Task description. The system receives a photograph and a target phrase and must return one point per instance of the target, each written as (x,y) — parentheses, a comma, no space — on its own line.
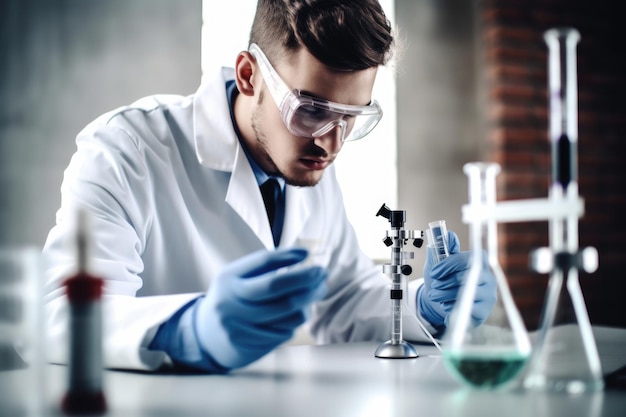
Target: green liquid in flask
(486,370)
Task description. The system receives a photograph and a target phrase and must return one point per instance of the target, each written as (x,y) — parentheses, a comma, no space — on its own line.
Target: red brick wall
(514,69)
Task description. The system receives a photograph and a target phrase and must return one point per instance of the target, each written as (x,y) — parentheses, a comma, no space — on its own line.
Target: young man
(202,269)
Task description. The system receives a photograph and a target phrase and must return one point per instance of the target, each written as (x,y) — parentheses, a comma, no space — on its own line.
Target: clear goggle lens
(310,117)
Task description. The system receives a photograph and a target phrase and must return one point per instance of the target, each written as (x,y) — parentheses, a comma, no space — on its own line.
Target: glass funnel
(485,352)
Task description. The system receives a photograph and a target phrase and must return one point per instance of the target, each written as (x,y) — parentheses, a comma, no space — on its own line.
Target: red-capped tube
(85,394)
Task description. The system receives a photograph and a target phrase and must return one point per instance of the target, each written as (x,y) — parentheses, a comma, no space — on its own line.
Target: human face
(282,147)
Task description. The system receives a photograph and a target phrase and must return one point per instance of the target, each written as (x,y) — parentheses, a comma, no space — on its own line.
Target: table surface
(342,380)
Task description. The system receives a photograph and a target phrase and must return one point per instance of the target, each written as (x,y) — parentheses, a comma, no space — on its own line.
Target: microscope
(396,238)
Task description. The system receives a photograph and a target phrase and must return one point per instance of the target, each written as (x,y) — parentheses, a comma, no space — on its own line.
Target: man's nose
(331,141)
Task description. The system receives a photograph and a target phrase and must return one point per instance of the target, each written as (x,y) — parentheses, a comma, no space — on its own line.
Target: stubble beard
(300,181)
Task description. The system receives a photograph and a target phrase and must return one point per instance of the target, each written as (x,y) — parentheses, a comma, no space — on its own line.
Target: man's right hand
(256,304)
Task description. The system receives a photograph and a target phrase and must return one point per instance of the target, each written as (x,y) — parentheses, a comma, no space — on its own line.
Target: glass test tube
(438,240)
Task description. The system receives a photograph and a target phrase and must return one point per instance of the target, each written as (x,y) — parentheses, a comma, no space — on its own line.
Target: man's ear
(245,70)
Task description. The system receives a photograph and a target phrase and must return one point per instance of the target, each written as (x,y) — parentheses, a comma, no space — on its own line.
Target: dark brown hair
(348,35)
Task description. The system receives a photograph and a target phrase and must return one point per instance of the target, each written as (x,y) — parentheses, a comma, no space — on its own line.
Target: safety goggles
(311,117)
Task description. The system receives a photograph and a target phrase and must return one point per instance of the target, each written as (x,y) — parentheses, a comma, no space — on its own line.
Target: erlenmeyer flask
(487,353)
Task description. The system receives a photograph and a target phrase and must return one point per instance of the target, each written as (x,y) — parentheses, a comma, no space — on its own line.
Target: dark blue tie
(271,192)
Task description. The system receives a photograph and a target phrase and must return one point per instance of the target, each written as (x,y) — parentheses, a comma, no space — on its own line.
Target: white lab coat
(173,199)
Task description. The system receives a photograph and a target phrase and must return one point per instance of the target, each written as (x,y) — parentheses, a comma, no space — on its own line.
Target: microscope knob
(388,241)
(406,269)
(418,242)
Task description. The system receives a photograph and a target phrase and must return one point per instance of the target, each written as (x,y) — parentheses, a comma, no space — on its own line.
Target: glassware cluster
(492,352)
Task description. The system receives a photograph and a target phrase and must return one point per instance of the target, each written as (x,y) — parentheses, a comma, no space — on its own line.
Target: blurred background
(468,83)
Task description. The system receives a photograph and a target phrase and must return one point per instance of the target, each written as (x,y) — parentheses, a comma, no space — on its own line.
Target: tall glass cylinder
(487,344)
(565,357)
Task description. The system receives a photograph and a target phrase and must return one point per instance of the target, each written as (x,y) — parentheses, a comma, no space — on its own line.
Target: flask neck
(482,195)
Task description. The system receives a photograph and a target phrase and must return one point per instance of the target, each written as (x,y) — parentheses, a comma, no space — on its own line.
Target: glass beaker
(485,352)
(22,337)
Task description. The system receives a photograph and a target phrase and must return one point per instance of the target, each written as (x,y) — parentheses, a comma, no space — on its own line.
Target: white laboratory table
(342,380)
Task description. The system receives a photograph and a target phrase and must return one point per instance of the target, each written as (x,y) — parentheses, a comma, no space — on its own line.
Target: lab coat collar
(214,135)
(297,211)
(245,198)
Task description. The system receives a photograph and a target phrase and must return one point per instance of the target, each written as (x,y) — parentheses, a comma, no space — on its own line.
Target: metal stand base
(400,350)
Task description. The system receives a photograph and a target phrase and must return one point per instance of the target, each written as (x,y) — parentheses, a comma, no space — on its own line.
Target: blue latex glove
(253,306)
(442,282)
